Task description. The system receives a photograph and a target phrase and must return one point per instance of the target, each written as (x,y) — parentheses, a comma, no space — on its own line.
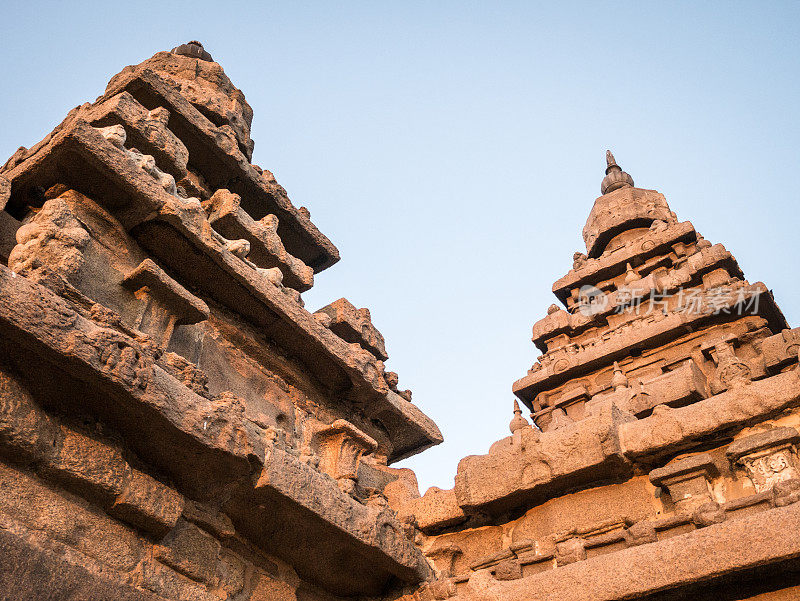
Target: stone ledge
(148,130)
(185,305)
(32,573)
(676,564)
(609,266)
(670,430)
(354,325)
(538,466)
(531,467)
(762,440)
(650,331)
(690,273)
(294,506)
(205,452)
(126,387)
(436,509)
(682,468)
(266,248)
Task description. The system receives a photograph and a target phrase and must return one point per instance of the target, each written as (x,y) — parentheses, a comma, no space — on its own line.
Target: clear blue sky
(453,151)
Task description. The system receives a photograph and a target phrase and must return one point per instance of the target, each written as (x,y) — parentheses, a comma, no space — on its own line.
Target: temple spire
(630,274)
(615,177)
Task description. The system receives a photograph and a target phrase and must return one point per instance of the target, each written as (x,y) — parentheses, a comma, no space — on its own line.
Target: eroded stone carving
(340,447)
(155,355)
(769,457)
(354,325)
(52,240)
(156,359)
(166,303)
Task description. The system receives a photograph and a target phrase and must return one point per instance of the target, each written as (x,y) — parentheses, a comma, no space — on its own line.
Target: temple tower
(174,423)
(662,459)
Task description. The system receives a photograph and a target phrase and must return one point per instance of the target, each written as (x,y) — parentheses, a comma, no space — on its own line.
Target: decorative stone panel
(768,457)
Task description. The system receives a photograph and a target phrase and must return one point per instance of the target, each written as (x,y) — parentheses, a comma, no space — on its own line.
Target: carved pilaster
(340,447)
(444,558)
(165,302)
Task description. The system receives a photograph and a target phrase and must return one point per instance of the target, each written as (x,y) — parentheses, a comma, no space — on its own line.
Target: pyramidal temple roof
(664,401)
(637,253)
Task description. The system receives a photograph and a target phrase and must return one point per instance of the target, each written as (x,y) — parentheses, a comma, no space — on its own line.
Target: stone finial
(517,422)
(630,275)
(193,49)
(615,177)
(619,380)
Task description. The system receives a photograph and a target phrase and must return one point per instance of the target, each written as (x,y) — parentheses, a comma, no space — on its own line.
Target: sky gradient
(452,151)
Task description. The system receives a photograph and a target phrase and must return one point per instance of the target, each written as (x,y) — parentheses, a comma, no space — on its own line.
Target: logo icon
(591,300)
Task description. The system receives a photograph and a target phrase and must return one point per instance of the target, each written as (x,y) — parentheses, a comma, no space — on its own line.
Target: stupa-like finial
(619,380)
(615,177)
(193,49)
(630,274)
(517,422)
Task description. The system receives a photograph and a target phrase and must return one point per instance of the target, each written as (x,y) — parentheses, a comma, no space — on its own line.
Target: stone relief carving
(768,457)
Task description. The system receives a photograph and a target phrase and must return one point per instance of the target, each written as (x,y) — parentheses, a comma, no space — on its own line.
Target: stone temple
(175,425)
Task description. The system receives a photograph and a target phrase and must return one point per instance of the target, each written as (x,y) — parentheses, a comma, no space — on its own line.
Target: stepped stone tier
(175,425)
